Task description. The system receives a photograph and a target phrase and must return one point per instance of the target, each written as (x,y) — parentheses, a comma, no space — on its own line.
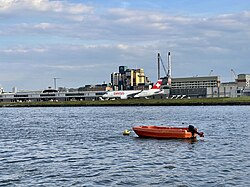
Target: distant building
(243,81)
(227,89)
(246,92)
(195,82)
(193,86)
(97,87)
(134,77)
(50,95)
(243,85)
(129,79)
(115,80)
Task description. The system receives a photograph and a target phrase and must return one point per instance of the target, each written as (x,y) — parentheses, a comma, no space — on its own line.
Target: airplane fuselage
(121,94)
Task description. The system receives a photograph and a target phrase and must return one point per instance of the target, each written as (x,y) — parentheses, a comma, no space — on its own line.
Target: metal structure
(233,74)
(55,79)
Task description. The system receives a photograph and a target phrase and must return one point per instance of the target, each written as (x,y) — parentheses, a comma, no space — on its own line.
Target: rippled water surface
(84,146)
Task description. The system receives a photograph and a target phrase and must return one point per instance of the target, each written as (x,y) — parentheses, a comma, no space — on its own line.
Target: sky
(82,42)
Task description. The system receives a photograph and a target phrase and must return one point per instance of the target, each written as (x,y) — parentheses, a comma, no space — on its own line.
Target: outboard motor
(194,131)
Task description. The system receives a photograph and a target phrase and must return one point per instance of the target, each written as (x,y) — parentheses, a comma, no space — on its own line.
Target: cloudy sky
(84,41)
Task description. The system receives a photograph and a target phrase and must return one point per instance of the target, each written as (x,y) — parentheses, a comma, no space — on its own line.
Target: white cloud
(61,37)
(39,50)
(43,9)
(72,68)
(43,26)
(15,50)
(44,5)
(79,9)
(122,46)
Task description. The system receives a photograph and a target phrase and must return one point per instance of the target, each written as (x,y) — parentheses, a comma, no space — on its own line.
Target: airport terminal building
(53,95)
(189,87)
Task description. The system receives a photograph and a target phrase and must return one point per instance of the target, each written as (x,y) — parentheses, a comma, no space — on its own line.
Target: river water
(84,146)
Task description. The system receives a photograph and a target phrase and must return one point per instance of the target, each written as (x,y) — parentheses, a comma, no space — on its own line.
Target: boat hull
(163,132)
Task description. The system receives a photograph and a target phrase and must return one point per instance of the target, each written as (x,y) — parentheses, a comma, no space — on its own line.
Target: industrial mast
(167,78)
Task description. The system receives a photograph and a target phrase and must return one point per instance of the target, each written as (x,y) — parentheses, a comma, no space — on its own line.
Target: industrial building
(243,81)
(210,86)
(194,86)
(243,85)
(129,79)
(195,82)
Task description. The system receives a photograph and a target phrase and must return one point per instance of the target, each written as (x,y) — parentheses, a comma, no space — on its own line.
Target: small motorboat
(164,132)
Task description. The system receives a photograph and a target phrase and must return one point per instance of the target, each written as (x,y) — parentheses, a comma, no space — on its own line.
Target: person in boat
(194,131)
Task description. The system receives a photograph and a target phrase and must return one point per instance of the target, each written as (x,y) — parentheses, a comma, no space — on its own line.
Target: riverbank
(137,102)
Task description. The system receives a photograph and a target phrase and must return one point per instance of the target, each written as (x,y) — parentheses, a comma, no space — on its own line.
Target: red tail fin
(157,84)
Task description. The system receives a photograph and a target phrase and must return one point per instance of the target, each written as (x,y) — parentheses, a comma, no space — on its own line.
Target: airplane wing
(159,92)
(134,93)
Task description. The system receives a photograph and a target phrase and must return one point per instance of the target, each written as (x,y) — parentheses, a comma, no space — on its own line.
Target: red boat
(167,132)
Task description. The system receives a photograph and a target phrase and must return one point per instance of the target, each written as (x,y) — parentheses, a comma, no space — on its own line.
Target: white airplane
(122,94)
(154,91)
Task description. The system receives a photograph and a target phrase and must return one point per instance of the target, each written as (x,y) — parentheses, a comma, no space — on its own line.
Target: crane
(234,76)
(167,78)
(162,63)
